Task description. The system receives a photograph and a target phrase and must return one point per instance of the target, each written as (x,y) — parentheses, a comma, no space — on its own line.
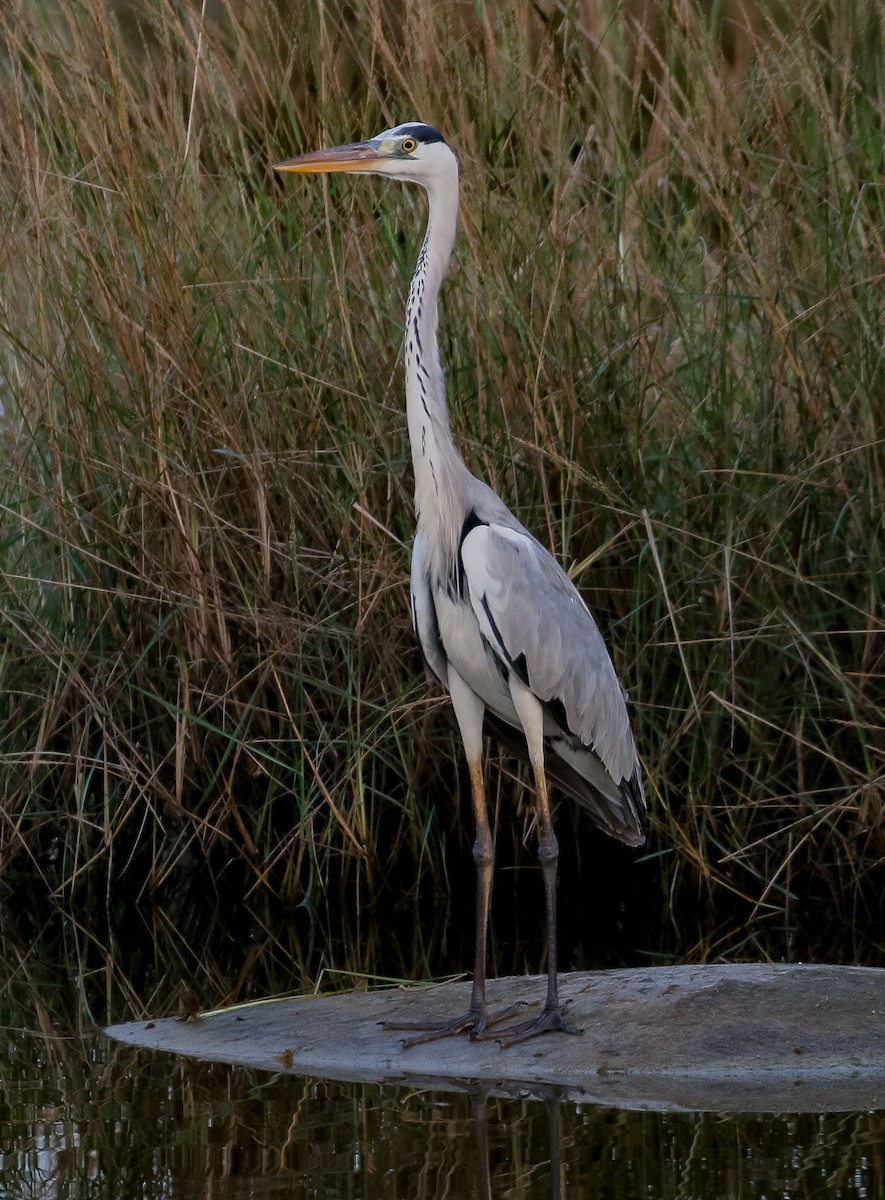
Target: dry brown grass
(207,669)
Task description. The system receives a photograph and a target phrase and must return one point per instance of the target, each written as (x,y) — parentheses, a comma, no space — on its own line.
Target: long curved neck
(436,462)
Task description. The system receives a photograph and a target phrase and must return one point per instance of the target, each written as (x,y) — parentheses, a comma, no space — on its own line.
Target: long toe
(487,1030)
(468,1022)
(549,1020)
(479,1023)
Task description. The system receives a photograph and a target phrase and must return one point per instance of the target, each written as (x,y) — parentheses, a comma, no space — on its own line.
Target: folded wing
(533,616)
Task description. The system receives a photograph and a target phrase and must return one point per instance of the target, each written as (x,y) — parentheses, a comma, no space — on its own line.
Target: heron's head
(412,152)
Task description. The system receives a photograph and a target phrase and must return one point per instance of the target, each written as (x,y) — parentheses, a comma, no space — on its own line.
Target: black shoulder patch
(471,521)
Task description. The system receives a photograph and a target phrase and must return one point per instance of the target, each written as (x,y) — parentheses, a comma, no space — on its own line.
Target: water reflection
(80,1116)
(553,1104)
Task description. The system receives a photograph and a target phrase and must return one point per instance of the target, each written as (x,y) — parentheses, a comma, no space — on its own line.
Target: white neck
(436,462)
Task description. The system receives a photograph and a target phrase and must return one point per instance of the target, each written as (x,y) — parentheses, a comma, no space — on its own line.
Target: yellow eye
(408,145)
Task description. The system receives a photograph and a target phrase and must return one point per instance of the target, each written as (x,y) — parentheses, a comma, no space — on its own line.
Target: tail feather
(617,808)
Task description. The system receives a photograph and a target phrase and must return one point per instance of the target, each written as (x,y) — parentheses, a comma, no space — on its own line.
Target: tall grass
(672,370)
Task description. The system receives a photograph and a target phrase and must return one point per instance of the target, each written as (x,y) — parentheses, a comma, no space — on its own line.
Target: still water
(83,1117)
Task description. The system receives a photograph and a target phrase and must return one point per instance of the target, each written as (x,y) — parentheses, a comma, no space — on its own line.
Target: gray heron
(501,625)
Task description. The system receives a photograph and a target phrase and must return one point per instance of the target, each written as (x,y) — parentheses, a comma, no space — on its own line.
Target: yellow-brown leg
(550,1018)
(470,711)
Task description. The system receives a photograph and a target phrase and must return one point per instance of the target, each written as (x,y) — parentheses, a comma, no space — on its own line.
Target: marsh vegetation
(214,723)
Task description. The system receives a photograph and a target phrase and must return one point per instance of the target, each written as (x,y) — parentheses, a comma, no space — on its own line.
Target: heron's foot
(476,1022)
(549,1020)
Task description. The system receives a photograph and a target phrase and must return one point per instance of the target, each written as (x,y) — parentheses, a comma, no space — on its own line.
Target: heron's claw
(475,1022)
(549,1020)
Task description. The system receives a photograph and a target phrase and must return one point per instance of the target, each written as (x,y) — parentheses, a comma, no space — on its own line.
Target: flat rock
(744,1037)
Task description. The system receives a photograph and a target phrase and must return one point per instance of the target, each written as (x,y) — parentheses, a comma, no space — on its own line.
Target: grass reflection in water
(79,1117)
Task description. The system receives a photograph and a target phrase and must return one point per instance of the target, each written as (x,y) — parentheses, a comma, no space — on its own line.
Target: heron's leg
(484,861)
(531,716)
(469,711)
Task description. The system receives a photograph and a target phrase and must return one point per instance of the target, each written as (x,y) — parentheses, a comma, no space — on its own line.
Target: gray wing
(424,616)
(532,614)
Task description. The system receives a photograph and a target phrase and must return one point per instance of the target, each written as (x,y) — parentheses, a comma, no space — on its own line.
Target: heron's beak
(360,156)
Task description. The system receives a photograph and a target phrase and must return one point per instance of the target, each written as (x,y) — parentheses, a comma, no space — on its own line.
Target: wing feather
(529,610)
(425,620)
